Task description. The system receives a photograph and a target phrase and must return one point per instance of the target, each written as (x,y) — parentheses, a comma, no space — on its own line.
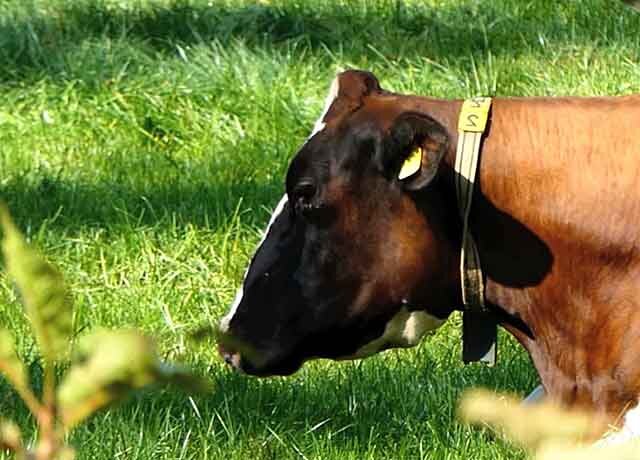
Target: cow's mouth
(231,358)
(240,363)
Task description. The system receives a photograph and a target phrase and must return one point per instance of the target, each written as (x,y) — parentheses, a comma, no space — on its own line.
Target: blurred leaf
(10,437)
(66,453)
(107,366)
(202,333)
(554,451)
(183,378)
(528,425)
(10,364)
(633,4)
(43,292)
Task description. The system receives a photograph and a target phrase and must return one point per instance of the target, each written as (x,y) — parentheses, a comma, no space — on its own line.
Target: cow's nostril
(225,354)
(230,357)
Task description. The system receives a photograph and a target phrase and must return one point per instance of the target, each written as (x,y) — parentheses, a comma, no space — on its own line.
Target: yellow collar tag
(411,165)
(474,114)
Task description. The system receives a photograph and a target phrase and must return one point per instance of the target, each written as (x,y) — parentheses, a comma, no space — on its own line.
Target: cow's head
(354,260)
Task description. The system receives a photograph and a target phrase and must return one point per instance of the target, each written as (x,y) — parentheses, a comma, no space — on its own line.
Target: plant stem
(47,418)
(30,400)
(49,390)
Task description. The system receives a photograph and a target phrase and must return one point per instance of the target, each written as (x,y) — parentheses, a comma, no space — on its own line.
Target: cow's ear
(348,91)
(355,84)
(415,147)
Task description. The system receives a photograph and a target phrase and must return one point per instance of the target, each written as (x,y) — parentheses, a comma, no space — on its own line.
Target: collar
(479,328)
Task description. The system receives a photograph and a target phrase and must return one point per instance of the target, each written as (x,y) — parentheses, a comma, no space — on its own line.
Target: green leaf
(10,436)
(10,364)
(66,453)
(45,297)
(107,367)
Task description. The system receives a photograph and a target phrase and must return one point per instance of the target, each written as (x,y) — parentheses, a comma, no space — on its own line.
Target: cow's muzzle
(240,355)
(236,353)
(240,363)
(231,358)
(248,360)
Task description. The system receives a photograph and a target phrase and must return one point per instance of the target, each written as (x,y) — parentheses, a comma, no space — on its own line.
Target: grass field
(143,143)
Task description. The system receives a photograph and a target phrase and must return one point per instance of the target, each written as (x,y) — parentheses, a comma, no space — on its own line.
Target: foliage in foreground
(549,432)
(106,365)
(170,126)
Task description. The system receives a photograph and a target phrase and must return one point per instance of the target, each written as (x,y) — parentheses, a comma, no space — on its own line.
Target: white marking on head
(404,330)
(317,127)
(333,94)
(224,322)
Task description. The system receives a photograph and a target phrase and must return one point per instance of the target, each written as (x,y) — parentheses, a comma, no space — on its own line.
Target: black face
(347,248)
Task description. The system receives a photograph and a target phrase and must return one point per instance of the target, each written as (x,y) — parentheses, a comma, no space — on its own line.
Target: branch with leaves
(106,366)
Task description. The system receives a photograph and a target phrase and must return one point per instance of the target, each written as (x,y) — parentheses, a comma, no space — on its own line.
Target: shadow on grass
(70,206)
(41,41)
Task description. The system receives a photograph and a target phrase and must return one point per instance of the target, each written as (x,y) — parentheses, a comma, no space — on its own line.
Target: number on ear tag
(411,165)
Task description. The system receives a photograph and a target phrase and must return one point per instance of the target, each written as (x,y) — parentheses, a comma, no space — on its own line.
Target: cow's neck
(528,263)
(446,112)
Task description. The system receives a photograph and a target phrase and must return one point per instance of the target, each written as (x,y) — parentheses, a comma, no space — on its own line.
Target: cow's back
(566,161)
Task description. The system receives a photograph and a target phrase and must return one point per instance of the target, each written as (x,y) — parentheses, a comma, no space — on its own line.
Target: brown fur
(555,216)
(561,175)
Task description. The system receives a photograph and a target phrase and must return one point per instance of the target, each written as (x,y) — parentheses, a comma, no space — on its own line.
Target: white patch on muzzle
(317,127)
(224,322)
(404,330)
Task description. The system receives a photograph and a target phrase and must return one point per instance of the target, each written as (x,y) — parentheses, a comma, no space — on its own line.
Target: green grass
(171,123)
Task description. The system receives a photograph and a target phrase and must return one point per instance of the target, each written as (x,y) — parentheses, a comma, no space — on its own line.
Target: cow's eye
(304,191)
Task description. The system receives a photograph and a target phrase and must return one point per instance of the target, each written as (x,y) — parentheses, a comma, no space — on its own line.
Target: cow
(356,260)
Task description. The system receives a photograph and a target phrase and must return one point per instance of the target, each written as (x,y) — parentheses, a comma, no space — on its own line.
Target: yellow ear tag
(411,165)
